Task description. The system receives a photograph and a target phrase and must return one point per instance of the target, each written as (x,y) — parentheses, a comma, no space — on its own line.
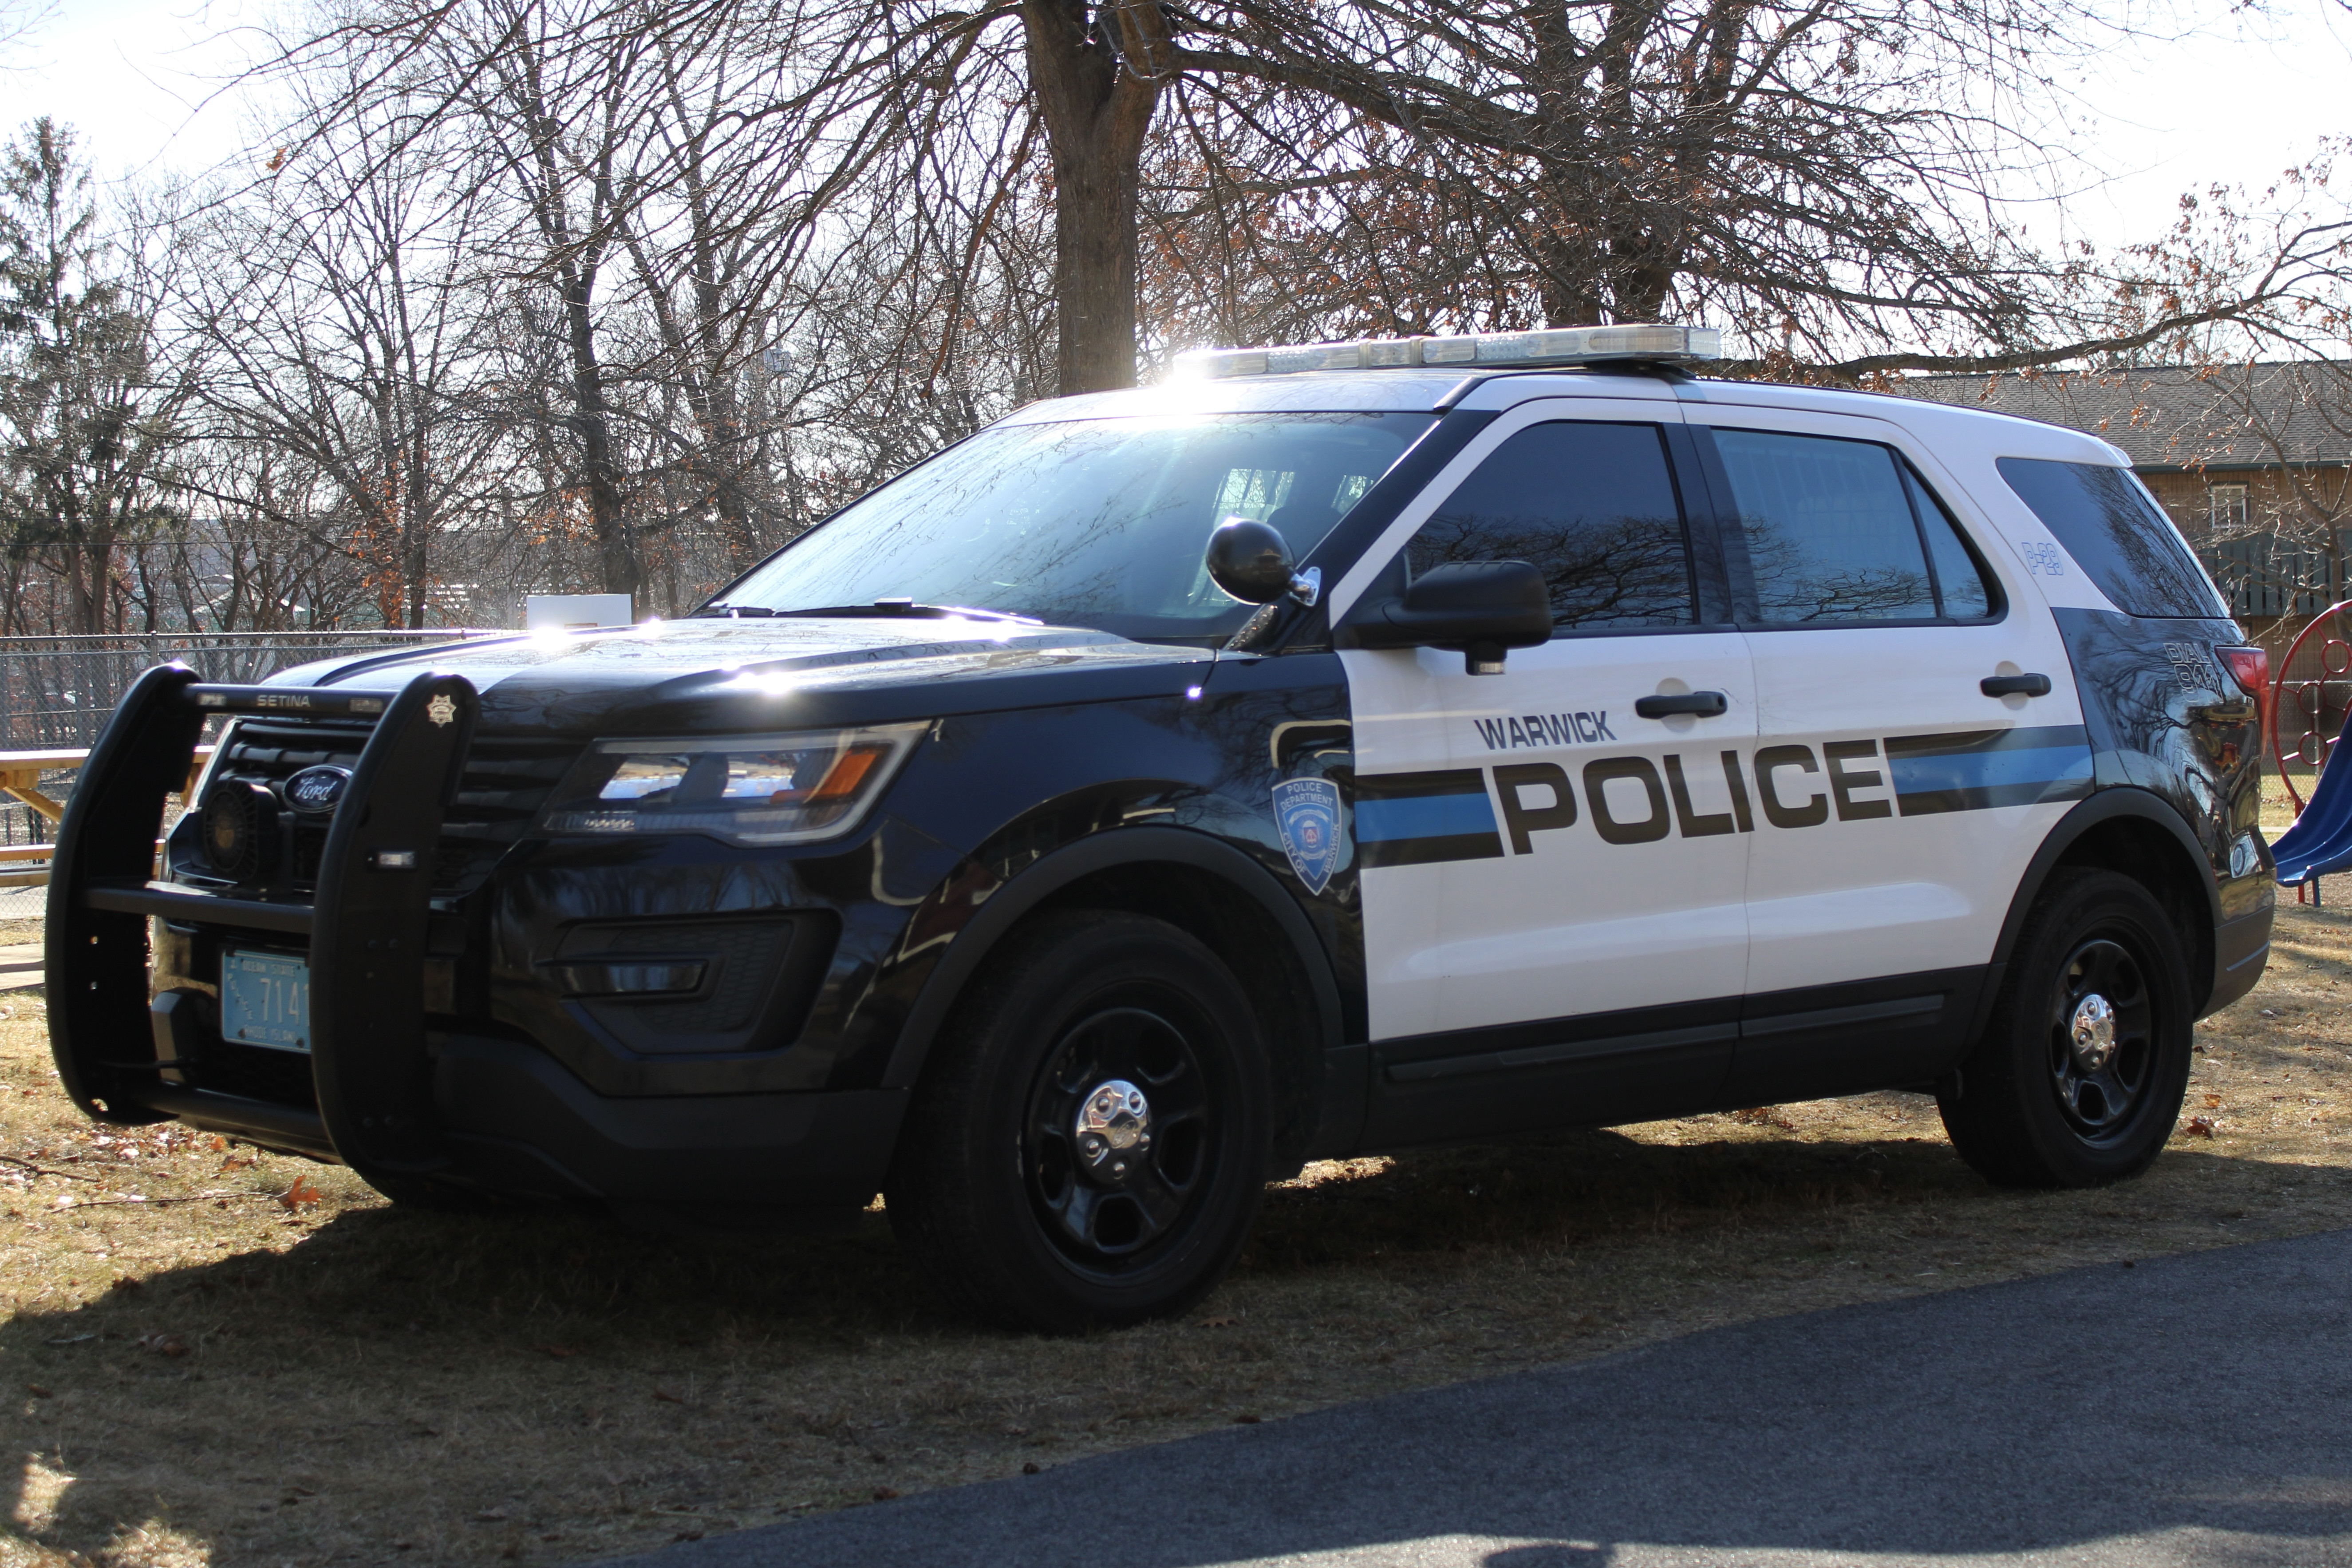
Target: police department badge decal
(1306,817)
(442,710)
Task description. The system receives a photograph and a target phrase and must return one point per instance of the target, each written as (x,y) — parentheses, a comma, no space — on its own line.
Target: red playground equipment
(2319,844)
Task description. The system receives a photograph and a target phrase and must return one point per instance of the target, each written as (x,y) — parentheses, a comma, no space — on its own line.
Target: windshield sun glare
(1099,523)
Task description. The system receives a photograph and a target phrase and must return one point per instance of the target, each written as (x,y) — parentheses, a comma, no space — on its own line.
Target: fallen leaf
(1222,1321)
(298,1197)
(2213,1102)
(666,1397)
(36,1391)
(125,1282)
(162,1344)
(1029,1466)
(884,1494)
(2198,1126)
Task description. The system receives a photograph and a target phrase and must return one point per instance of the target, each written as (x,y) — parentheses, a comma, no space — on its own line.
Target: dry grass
(215,1374)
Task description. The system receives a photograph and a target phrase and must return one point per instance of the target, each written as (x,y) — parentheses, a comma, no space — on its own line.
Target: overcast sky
(2248,98)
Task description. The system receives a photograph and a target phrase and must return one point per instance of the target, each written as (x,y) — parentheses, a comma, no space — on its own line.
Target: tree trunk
(592,424)
(1097,111)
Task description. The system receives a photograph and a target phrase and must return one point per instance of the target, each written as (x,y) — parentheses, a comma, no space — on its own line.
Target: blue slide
(2321,839)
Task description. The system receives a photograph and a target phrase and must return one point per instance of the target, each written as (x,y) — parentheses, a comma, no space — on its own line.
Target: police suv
(1338,749)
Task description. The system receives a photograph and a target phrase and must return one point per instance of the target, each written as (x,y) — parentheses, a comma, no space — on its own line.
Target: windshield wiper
(902,609)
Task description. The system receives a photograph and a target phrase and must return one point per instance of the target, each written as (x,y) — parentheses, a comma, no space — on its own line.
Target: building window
(2228,510)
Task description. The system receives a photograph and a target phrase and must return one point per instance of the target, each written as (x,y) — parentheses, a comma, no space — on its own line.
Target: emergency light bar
(1550,345)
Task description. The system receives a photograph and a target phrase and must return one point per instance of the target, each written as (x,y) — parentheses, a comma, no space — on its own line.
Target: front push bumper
(388,1094)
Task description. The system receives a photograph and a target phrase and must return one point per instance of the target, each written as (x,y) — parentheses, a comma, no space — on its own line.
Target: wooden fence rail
(21,772)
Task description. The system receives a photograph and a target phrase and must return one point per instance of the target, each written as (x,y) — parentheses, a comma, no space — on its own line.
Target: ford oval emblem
(316,790)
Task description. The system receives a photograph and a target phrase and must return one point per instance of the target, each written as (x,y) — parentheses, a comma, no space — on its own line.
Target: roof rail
(1546,346)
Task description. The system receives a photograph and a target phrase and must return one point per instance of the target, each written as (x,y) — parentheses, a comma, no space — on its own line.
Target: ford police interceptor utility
(1342,749)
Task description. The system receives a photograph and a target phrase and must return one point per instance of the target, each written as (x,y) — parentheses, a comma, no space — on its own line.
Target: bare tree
(89,422)
(341,308)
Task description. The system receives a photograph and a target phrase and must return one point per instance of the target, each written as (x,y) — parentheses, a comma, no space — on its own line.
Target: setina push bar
(124,1060)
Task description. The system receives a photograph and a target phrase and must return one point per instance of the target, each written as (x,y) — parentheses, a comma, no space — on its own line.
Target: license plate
(266,1001)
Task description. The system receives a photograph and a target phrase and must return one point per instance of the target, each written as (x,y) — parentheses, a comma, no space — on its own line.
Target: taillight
(2250,667)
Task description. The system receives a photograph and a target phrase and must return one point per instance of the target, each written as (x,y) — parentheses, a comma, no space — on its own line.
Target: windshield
(1098,524)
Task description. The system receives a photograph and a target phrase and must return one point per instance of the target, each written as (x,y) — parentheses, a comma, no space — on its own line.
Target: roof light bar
(1550,345)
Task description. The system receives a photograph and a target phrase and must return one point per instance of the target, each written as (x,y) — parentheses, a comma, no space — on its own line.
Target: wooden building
(2253,462)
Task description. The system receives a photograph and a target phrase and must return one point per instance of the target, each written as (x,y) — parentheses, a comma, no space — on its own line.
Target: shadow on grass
(1574,1188)
(354,1358)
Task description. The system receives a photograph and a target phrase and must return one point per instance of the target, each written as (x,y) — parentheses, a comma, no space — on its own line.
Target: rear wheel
(2079,1077)
(1091,1141)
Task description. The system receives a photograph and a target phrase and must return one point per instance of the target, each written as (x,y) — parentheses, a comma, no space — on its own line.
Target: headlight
(745,789)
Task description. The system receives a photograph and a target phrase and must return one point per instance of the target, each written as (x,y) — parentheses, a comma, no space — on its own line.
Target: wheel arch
(2140,834)
(1200,884)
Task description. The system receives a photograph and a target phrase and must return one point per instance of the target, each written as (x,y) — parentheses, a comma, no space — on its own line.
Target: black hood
(700,675)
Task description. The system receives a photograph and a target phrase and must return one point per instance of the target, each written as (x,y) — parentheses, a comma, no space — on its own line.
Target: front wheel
(1089,1145)
(2080,1074)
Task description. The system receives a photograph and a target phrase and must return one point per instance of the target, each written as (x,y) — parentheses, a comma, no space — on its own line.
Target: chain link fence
(57,692)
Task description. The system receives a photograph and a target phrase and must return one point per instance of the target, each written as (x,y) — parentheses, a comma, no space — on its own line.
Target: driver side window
(1592,507)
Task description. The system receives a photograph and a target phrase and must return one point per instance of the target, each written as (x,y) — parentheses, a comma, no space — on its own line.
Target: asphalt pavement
(2186,1410)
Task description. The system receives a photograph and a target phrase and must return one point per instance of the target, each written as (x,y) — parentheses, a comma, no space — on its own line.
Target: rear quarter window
(2119,540)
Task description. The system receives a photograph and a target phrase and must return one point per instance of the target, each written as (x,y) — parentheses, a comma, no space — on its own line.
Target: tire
(1035,1194)
(2036,1104)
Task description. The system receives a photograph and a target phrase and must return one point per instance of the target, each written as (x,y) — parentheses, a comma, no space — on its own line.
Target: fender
(1064,867)
(2105,806)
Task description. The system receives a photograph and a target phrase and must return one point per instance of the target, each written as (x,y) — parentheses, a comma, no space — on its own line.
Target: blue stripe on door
(1980,770)
(1424,816)
(1414,819)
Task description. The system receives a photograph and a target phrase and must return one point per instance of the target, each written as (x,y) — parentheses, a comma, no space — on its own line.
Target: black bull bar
(365,927)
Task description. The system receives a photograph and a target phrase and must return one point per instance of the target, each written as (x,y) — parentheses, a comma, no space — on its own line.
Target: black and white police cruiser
(1338,749)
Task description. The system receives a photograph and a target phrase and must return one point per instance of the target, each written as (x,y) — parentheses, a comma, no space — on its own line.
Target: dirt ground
(209,1354)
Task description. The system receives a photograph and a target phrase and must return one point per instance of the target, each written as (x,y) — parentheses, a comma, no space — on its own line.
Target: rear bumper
(2242,947)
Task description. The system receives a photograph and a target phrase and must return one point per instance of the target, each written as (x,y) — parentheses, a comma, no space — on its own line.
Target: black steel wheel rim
(2102,1039)
(1115,1205)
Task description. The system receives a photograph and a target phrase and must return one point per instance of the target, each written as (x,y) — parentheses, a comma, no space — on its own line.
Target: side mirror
(1249,560)
(1481,607)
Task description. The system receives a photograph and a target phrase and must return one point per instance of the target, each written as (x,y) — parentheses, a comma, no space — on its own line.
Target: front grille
(506,781)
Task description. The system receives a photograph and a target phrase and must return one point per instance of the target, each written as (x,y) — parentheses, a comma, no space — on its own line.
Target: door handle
(2014,686)
(1705,704)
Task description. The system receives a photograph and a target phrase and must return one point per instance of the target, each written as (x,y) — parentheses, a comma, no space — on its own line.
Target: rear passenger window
(1592,507)
(2118,539)
(1963,586)
(1830,531)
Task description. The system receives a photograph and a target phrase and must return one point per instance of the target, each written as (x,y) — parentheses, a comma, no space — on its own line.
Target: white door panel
(1535,912)
(1906,802)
